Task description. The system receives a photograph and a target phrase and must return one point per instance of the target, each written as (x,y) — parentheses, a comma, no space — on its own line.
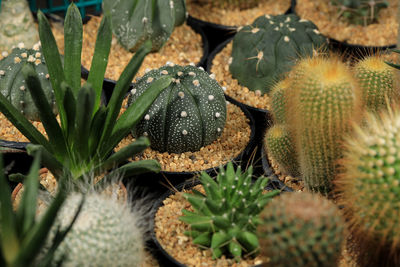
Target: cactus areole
(263,51)
(189,114)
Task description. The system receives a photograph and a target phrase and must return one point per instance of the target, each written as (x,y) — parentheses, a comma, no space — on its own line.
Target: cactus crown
(301,229)
(362,12)
(189,114)
(13,85)
(134,22)
(263,51)
(226,216)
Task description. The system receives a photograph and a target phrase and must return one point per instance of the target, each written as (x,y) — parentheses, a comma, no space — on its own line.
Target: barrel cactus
(301,229)
(369,189)
(106,233)
(12,81)
(263,51)
(189,114)
(134,22)
(226,216)
(16,25)
(361,12)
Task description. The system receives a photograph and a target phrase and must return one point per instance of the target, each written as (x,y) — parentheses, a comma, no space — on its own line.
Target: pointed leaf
(70,109)
(220,239)
(96,129)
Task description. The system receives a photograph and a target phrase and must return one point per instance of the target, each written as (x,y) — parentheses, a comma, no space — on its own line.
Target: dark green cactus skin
(135,21)
(263,51)
(12,83)
(226,216)
(189,114)
(301,229)
(241,4)
(361,12)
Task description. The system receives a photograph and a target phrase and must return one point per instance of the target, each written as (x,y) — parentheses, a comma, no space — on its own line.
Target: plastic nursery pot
(159,183)
(15,161)
(352,51)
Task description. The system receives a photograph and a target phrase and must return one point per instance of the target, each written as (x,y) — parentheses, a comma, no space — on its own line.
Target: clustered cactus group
(362,12)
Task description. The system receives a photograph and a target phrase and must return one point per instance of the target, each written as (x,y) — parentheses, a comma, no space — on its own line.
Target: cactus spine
(279,97)
(369,189)
(301,229)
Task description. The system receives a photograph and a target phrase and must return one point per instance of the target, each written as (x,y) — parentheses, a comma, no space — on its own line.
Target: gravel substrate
(324,15)
(234,139)
(233,16)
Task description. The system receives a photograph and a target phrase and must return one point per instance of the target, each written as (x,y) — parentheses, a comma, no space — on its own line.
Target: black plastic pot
(163,257)
(15,161)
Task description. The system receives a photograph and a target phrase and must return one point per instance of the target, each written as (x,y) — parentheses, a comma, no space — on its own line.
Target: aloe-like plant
(87,131)
(22,236)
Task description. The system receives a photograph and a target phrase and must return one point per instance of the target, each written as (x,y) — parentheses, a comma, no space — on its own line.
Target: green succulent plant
(22,235)
(241,4)
(13,85)
(226,216)
(361,12)
(190,113)
(88,131)
(134,22)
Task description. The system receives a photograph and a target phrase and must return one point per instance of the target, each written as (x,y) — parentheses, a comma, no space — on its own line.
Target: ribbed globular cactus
(362,12)
(378,81)
(189,114)
(278,143)
(104,234)
(263,51)
(369,189)
(12,81)
(134,22)
(301,229)
(225,217)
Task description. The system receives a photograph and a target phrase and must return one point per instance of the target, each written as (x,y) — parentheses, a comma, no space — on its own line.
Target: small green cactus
(241,4)
(279,97)
(301,229)
(106,233)
(361,12)
(189,114)
(12,81)
(226,216)
(279,145)
(134,22)
(378,82)
(369,189)
(263,51)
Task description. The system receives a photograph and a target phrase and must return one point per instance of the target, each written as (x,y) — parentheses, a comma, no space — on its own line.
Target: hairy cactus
(189,114)
(279,97)
(301,229)
(226,216)
(378,82)
(134,22)
(369,189)
(362,12)
(241,4)
(12,81)
(16,25)
(104,234)
(263,51)
(278,143)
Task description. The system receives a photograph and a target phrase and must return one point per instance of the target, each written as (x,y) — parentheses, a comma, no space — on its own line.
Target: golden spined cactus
(279,97)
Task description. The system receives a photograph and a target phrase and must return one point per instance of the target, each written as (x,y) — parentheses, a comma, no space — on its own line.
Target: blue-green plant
(134,22)
(88,131)
(226,216)
(361,12)
(190,113)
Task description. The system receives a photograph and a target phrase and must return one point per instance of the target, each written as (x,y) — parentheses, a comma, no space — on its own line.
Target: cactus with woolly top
(105,233)
(278,143)
(368,189)
(265,50)
(362,12)
(134,22)
(240,4)
(301,229)
(13,85)
(378,81)
(225,217)
(189,114)
(16,25)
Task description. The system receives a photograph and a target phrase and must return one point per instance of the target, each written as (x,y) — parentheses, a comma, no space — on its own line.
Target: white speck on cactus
(281,24)
(217,114)
(239,28)
(224,88)
(22,88)
(133,91)
(287,19)
(2,72)
(171,4)
(164,72)
(171,64)
(177,81)
(191,73)
(21,102)
(219,130)
(31,58)
(292,29)
(17,60)
(201,68)
(268,16)
(4,54)
(276,28)
(38,61)
(271,22)
(21,45)
(255,30)
(192,64)
(184,114)
(145,134)
(147,70)
(47,76)
(196,83)
(212,76)
(184,132)
(38,54)
(36,47)
(180,73)
(303,20)
(210,97)
(144,20)
(316,31)
(24,55)
(147,117)
(150,79)
(181,94)
(258,92)
(286,39)
(230,60)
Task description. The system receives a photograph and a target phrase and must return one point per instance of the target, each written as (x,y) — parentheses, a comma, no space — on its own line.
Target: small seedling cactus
(263,51)
(12,81)
(301,229)
(368,189)
(189,114)
(134,22)
(361,12)
(226,216)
